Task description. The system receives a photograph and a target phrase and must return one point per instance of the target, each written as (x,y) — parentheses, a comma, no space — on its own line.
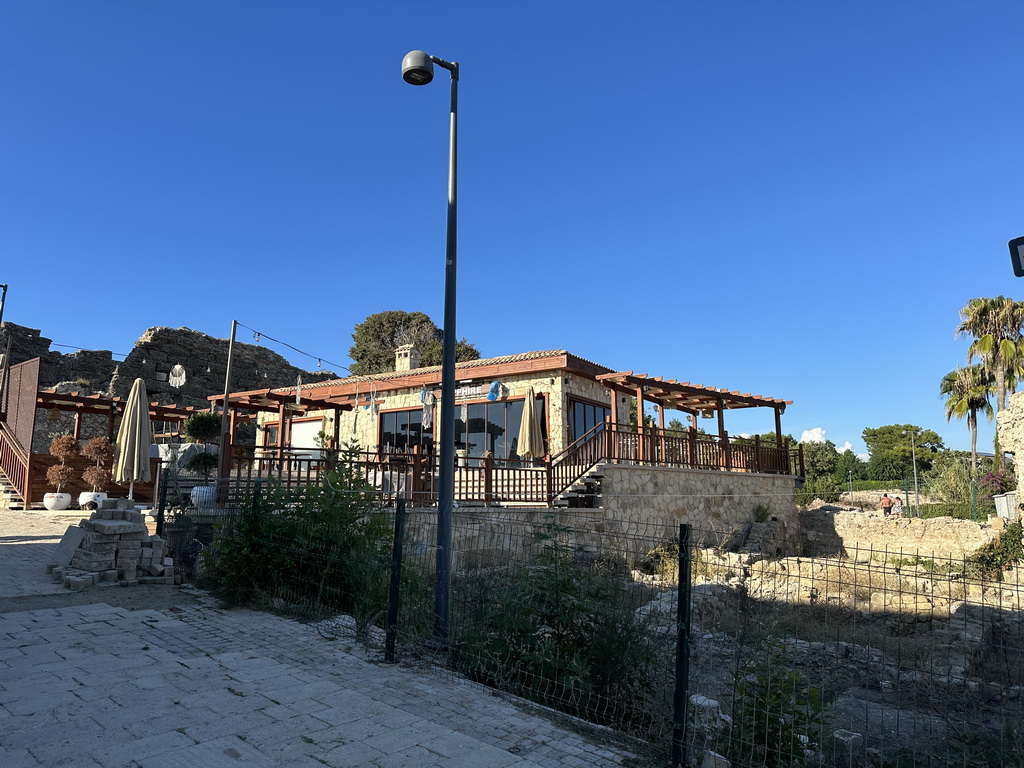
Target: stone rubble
(114,546)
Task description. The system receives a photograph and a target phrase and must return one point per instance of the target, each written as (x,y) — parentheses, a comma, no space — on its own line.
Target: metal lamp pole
(418,69)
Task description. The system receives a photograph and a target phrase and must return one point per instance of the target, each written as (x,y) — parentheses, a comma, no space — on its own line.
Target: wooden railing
(413,475)
(14,461)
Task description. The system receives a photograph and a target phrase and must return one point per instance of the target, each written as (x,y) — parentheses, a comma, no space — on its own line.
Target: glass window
(583,417)
(493,427)
(401,431)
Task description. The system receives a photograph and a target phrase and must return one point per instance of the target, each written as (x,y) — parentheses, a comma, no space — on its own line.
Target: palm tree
(968,390)
(996,327)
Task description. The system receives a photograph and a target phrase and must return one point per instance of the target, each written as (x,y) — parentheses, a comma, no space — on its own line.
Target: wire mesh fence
(817,653)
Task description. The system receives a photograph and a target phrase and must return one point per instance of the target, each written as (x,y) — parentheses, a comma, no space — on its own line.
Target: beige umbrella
(134,440)
(531,441)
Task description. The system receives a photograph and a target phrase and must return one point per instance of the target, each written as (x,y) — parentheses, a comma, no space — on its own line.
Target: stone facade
(360,426)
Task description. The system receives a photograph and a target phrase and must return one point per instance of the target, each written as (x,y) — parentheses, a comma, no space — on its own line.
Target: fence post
(488,464)
(162,506)
(680,697)
(391,627)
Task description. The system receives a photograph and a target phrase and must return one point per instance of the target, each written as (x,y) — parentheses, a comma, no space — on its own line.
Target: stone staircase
(585,493)
(10,498)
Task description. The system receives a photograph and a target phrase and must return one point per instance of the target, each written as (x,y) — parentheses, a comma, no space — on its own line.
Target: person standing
(885,504)
(897,507)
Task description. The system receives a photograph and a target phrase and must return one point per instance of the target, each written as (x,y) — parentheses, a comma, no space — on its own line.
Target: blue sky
(787,198)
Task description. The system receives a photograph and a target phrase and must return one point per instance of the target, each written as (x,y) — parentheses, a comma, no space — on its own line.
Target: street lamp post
(418,69)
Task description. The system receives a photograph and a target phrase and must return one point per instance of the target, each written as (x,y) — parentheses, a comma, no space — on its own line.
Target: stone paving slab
(199,686)
(159,688)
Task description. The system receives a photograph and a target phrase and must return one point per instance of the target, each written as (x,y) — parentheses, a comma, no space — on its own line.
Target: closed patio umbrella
(134,439)
(531,441)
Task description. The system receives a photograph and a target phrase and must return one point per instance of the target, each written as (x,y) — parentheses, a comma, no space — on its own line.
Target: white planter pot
(203,496)
(55,501)
(86,496)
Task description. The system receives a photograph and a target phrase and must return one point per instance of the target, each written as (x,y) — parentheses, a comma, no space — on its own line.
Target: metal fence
(859,657)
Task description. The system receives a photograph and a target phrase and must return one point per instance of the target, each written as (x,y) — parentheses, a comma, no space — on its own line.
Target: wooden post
(691,459)
(661,434)
(280,434)
(78,425)
(487,462)
(416,470)
(778,428)
(337,428)
(757,454)
(639,423)
(726,450)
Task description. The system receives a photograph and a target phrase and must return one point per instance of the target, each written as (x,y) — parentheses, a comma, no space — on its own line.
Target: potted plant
(62,448)
(202,427)
(101,451)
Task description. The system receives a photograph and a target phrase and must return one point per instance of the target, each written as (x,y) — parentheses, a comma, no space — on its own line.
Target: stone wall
(860,534)
(154,354)
(1010,431)
(205,361)
(717,504)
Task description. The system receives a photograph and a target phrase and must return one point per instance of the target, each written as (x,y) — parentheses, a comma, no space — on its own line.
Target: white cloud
(847,446)
(863,457)
(816,435)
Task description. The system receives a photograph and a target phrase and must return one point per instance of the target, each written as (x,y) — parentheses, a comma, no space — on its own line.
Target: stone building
(583,414)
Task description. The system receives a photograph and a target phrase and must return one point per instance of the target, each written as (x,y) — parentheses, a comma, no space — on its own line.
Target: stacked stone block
(113,546)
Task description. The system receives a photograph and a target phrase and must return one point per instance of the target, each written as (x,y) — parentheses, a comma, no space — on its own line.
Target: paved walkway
(197,686)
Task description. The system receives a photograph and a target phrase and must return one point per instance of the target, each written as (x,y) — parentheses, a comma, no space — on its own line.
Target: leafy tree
(968,390)
(848,463)
(996,327)
(820,459)
(379,335)
(767,438)
(891,450)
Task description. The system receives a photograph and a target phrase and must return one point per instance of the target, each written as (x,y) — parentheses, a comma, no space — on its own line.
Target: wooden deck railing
(14,460)
(486,480)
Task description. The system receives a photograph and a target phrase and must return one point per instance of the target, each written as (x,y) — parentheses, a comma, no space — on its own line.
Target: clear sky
(792,199)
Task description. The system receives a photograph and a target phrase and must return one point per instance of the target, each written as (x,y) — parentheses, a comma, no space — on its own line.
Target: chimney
(407,357)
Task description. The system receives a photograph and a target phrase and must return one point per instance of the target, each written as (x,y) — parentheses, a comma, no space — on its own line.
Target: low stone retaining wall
(859,535)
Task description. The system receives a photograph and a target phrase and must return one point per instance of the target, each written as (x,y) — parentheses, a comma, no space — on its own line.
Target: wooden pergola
(689,398)
(244,406)
(80,405)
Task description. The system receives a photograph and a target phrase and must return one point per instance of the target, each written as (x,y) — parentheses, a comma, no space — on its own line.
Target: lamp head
(417,68)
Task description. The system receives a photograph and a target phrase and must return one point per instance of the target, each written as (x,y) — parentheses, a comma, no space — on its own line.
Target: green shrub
(959,511)
(201,427)
(777,719)
(560,633)
(991,560)
(824,487)
(316,550)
